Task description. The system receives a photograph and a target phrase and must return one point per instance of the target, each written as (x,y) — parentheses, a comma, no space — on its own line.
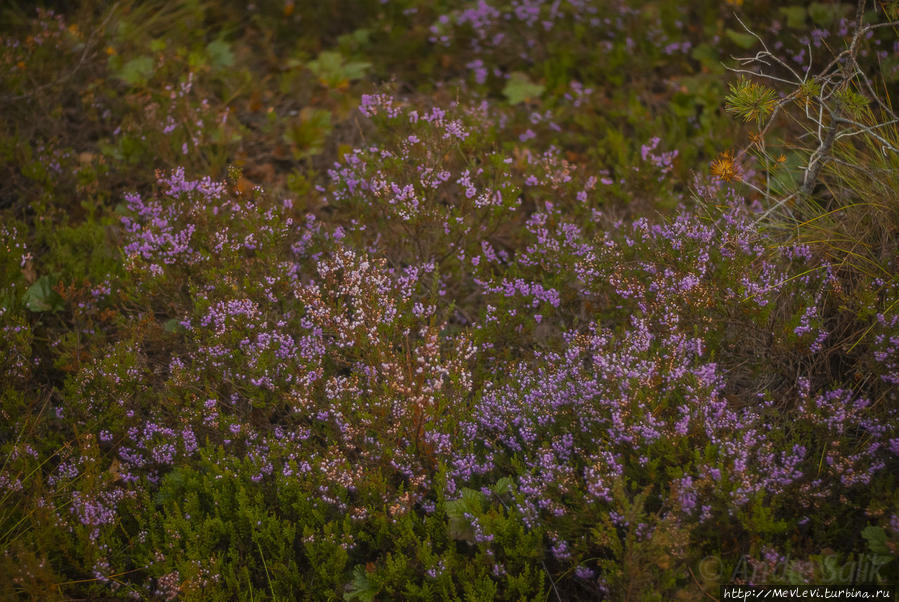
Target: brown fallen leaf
(245,186)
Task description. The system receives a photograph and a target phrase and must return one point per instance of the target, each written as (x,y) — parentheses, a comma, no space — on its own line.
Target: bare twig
(832,119)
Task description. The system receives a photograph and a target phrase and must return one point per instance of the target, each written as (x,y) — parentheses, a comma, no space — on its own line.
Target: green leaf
(355,70)
(459,525)
(355,40)
(110,150)
(137,71)
(220,55)
(331,69)
(877,539)
(825,15)
(503,486)
(40,296)
(520,88)
(197,59)
(743,40)
(361,588)
(795,16)
(173,325)
(708,57)
(307,135)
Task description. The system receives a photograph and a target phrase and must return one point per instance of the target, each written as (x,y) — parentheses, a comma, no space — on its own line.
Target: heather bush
(439,301)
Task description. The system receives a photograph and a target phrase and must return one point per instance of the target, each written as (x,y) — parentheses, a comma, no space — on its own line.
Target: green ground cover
(393,299)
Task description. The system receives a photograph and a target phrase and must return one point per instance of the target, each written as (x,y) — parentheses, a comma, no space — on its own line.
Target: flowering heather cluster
(299,355)
(506,35)
(887,344)
(467,348)
(15,332)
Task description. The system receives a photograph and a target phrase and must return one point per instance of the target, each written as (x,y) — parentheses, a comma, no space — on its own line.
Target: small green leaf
(708,57)
(331,69)
(795,16)
(137,71)
(197,59)
(743,40)
(877,539)
(40,296)
(361,588)
(459,525)
(308,134)
(503,486)
(355,41)
(520,88)
(825,15)
(220,55)
(173,325)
